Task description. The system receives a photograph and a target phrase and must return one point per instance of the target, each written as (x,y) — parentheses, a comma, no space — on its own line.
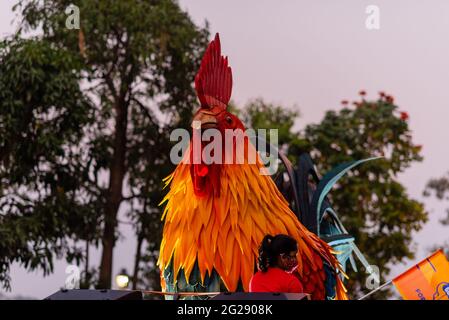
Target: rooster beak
(207,120)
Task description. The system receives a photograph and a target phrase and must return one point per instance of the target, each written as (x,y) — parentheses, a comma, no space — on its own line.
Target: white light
(122,280)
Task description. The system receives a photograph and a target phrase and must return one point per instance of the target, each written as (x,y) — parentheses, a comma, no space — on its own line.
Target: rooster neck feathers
(223,233)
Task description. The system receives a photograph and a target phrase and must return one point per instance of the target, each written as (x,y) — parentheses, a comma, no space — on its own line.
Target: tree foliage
(258,114)
(112,90)
(42,114)
(439,188)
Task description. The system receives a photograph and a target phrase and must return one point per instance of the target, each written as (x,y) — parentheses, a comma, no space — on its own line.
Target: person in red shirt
(277,260)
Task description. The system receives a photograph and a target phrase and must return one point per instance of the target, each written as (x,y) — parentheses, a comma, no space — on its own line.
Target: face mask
(291,266)
(290,263)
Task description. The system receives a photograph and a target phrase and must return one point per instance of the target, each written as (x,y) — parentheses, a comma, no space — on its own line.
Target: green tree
(372,204)
(257,114)
(439,188)
(42,111)
(135,62)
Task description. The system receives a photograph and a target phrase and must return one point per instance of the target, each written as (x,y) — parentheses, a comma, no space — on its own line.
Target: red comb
(213,82)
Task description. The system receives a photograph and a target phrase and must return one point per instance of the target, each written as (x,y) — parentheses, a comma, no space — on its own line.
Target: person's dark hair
(271,247)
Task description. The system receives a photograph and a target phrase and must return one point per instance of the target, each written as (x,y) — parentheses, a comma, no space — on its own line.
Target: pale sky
(313,54)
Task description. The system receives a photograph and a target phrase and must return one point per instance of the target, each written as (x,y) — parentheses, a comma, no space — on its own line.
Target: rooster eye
(229,119)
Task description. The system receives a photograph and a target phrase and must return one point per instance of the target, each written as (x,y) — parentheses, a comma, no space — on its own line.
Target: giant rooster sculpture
(217,214)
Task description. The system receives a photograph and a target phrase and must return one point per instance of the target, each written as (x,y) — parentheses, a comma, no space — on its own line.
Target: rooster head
(213,85)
